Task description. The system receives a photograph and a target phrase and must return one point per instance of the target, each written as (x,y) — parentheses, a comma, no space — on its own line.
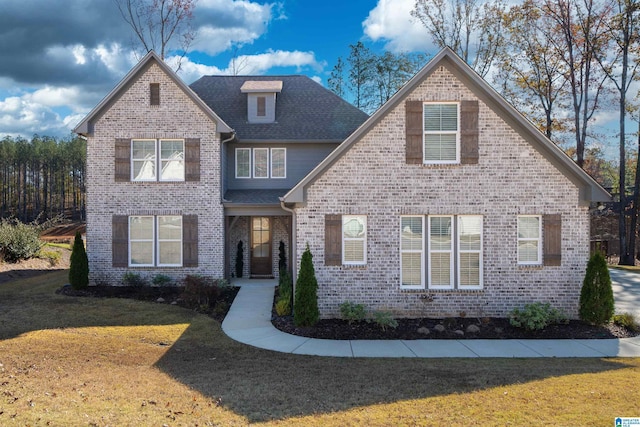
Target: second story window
(261,109)
(441,142)
(157,160)
(261,163)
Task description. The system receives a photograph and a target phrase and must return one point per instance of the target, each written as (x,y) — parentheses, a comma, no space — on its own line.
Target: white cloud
(224,23)
(20,113)
(391,21)
(259,64)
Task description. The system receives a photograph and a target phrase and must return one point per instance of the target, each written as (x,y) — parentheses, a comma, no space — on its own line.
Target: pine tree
(596,297)
(79,268)
(305,310)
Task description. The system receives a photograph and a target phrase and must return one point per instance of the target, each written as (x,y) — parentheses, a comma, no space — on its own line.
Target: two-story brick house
(446,200)
(178,175)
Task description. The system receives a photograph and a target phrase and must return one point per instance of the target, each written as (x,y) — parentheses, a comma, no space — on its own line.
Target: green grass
(58,245)
(89,361)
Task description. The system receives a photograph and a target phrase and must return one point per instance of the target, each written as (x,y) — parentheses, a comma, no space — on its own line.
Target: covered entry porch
(263,231)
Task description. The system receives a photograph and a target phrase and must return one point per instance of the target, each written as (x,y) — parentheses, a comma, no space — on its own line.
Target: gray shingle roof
(254,197)
(305,110)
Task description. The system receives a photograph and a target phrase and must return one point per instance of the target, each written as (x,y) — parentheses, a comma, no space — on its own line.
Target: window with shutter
(354,239)
(529,239)
(159,160)
(441,142)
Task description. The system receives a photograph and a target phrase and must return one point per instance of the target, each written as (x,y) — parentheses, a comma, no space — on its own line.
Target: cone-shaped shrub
(305,309)
(239,260)
(79,268)
(596,297)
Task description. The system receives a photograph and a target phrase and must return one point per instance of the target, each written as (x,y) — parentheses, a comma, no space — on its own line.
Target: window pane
(411,234)
(528,251)
(278,162)
(440,269)
(440,117)
(144,170)
(142,253)
(243,163)
(141,227)
(353,227)
(260,162)
(262,106)
(169,253)
(143,149)
(354,250)
(469,269)
(172,160)
(440,147)
(411,269)
(440,233)
(170,227)
(528,227)
(470,231)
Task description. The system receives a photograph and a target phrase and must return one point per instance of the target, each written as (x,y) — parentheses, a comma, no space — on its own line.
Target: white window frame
(431,251)
(250,163)
(157,160)
(460,251)
(159,241)
(346,219)
(414,251)
(266,169)
(153,234)
(529,239)
(156,241)
(456,133)
(284,166)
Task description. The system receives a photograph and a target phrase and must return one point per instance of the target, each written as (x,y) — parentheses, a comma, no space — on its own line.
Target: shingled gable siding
(512,178)
(333,240)
(552,238)
(468,132)
(177,117)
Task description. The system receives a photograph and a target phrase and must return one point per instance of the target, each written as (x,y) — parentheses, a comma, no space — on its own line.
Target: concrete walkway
(249,322)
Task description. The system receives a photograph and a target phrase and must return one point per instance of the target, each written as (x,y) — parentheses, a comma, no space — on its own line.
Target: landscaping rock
(424,331)
(459,333)
(439,328)
(160,299)
(473,329)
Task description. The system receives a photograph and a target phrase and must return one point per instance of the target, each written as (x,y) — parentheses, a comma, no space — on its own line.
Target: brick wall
(131,116)
(511,178)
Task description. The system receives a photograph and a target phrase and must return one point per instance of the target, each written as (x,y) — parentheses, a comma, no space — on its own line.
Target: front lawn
(92,361)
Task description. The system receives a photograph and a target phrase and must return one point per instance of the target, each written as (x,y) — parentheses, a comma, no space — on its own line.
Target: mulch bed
(454,328)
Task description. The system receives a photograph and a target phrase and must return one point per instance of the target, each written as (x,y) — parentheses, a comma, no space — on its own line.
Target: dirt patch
(35,266)
(63,233)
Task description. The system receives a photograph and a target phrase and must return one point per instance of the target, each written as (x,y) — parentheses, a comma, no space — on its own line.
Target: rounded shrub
(305,308)
(79,267)
(596,296)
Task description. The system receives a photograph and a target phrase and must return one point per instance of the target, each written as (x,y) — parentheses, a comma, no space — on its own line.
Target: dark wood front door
(261,246)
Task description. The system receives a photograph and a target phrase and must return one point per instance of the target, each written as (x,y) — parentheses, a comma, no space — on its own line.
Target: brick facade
(511,178)
(132,116)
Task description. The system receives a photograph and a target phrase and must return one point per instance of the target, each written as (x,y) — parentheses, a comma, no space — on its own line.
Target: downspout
(293,244)
(224,219)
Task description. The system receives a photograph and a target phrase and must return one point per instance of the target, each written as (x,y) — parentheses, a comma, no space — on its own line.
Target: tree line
(42,178)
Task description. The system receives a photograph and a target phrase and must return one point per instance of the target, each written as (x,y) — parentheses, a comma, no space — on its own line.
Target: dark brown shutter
(120,240)
(190,240)
(552,237)
(413,131)
(154,93)
(332,240)
(469,132)
(123,160)
(192,159)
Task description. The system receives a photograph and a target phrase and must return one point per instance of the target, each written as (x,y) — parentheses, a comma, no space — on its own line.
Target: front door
(261,246)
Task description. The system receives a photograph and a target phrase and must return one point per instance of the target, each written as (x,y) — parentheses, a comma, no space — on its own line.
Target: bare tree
(471,29)
(158,23)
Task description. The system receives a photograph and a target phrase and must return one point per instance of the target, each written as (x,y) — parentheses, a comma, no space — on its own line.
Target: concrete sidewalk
(249,322)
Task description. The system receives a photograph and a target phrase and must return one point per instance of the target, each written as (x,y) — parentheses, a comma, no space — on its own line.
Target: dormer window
(261,100)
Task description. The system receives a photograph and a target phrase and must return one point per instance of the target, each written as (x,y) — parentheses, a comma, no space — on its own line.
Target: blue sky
(61,57)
